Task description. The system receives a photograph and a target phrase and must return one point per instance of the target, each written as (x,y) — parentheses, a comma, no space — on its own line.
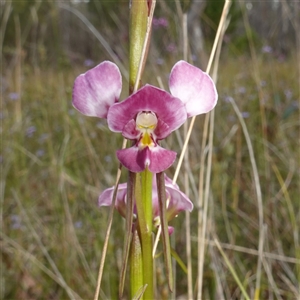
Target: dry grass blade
(69,291)
(289,205)
(68,212)
(140,293)
(110,218)
(229,265)
(212,55)
(162,200)
(269,271)
(258,191)
(128,235)
(250,251)
(5,16)
(186,175)
(74,236)
(203,197)
(34,260)
(97,34)
(145,46)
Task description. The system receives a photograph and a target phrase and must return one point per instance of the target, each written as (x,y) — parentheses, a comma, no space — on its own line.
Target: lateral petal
(193,87)
(129,130)
(97,89)
(105,198)
(178,200)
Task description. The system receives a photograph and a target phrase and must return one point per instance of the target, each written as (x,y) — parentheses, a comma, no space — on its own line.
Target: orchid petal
(129,130)
(133,159)
(155,204)
(193,87)
(97,89)
(106,197)
(178,200)
(136,160)
(170,229)
(161,159)
(161,130)
(149,98)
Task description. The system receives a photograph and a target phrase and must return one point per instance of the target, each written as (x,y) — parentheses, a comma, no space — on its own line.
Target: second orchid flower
(177,201)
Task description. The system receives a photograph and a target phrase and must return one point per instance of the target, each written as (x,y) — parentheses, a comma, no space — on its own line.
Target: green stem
(136,265)
(146,177)
(143,197)
(143,182)
(138,28)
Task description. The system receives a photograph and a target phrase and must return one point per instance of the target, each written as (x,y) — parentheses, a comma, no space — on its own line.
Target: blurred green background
(55,162)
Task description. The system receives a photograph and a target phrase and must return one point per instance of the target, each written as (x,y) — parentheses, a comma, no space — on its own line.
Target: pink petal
(161,159)
(157,159)
(193,87)
(170,230)
(133,159)
(161,130)
(149,98)
(129,130)
(105,199)
(96,90)
(178,200)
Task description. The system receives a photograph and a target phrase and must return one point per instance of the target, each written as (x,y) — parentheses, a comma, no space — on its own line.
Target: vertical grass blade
(128,234)
(162,200)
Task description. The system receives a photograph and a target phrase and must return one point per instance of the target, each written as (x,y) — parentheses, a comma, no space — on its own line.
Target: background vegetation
(55,162)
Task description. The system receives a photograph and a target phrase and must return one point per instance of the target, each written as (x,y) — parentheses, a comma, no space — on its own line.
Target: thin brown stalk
(203,197)
(68,212)
(108,229)
(18,74)
(274,256)
(268,270)
(16,248)
(5,16)
(211,58)
(186,177)
(129,222)
(258,192)
(145,46)
(97,34)
(236,278)
(44,250)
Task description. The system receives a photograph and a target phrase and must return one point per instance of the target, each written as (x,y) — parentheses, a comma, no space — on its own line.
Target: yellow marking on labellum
(146,140)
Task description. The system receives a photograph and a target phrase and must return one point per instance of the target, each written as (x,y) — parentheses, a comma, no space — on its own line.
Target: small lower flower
(177,201)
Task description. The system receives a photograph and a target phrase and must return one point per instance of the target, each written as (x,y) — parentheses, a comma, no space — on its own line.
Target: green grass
(55,162)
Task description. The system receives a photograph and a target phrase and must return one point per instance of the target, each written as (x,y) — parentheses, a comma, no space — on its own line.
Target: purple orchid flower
(147,116)
(176,201)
